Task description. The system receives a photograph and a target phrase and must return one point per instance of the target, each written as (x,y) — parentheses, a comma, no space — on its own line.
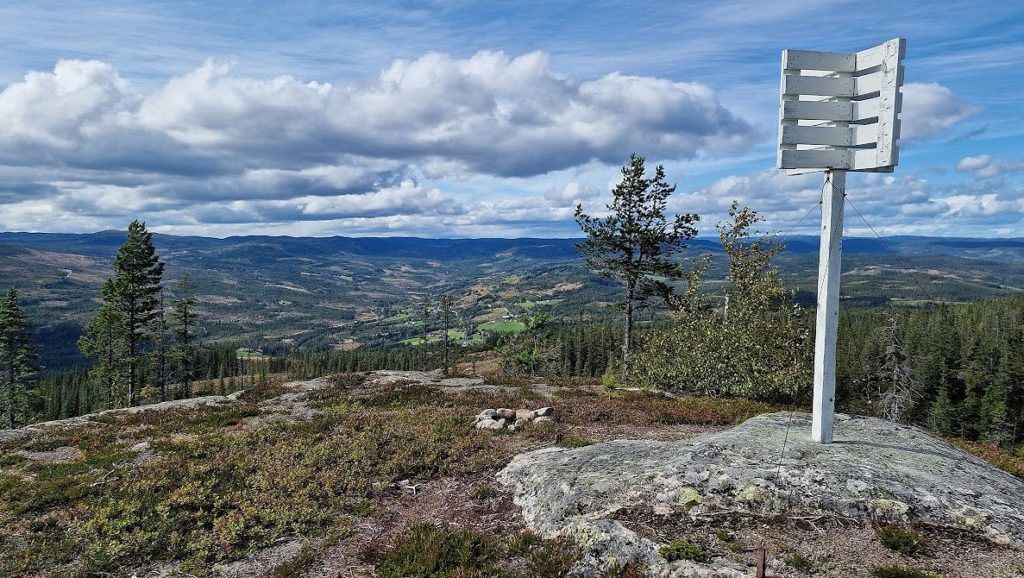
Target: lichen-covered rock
(874,468)
(488,423)
(525,414)
(506,413)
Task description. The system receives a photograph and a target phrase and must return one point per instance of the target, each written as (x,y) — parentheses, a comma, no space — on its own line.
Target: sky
(481,119)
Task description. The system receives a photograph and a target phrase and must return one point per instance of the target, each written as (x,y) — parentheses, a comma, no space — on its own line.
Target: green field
(502,327)
(453,334)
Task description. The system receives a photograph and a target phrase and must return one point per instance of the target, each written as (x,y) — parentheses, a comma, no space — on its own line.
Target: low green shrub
(428,551)
(682,550)
(906,541)
(552,558)
(798,561)
(576,442)
(484,492)
(523,542)
(900,572)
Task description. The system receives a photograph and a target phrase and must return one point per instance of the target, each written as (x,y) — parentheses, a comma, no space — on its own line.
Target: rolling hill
(342,292)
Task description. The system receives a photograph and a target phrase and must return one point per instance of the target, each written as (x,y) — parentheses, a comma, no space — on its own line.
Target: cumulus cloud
(984,166)
(230,147)
(892,203)
(931,108)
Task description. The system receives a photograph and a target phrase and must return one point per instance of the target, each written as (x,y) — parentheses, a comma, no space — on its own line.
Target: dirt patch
(63,454)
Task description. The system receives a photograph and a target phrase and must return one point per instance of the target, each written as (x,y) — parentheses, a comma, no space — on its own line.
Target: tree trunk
(10,392)
(627,339)
(131,358)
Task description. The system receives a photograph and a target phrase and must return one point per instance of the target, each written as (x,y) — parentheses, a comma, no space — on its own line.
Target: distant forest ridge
(327,293)
(107,242)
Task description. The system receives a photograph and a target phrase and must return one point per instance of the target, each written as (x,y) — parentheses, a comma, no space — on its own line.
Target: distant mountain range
(345,292)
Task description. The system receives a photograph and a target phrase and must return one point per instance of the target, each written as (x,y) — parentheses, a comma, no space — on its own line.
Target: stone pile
(511,419)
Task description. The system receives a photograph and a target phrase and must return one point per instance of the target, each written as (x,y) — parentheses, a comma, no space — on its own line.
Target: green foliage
(552,558)
(576,442)
(758,345)
(724,535)
(484,492)
(906,541)
(297,566)
(428,551)
(636,241)
(801,563)
(224,493)
(184,321)
(18,357)
(894,571)
(682,550)
(523,542)
(962,367)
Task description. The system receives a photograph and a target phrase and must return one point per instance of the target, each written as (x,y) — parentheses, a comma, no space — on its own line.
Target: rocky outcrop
(874,469)
(511,419)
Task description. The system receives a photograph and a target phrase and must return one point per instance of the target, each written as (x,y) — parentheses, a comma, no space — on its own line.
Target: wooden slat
(836,111)
(864,134)
(815,159)
(818,85)
(817,135)
(867,160)
(813,60)
(829,135)
(874,56)
(889,103)
(869,84)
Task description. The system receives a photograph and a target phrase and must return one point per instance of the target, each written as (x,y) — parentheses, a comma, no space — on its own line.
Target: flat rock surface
(873,469)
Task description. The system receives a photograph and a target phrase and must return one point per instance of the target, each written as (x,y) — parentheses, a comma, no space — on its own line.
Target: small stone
(140,447)
(525,414)
(507,413)
(488,413)
(542,419)
(544,411)
(486,423)
(520,422)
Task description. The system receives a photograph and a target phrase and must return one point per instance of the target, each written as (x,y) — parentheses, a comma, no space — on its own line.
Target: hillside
(383,474)
(338,292)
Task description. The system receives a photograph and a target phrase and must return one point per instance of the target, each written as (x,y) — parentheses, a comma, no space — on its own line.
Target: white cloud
(931,108)
(984,166)
(84,138)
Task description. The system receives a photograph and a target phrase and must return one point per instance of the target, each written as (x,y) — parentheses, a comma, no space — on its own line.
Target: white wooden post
(838,111)
(827,326)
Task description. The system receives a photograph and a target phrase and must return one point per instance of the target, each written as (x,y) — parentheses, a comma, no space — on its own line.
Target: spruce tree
(104,341)
(18,357)
(184,325)
(635,241)
(900,395)
(137,275)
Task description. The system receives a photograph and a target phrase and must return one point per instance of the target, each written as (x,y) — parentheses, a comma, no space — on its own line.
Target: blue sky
(477,119)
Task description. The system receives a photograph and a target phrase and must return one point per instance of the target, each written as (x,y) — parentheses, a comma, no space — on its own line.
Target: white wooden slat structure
(838,112)
(829,89)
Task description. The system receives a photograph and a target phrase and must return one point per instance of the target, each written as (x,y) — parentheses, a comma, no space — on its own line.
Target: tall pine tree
(635,241)
(18,358)
(184,325)
(103,340)
(130,308)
